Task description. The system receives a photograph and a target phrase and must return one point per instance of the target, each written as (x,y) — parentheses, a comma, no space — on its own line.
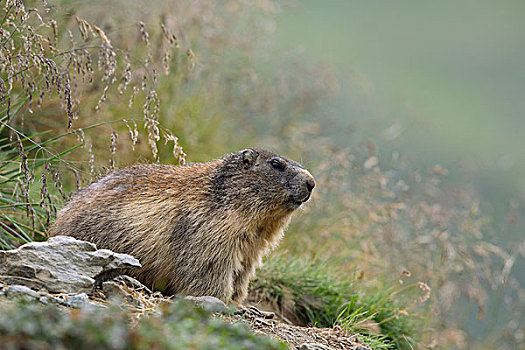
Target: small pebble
(208,303)
(77,301)
(314,346)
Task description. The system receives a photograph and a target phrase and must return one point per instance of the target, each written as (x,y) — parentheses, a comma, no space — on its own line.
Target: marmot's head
(261,181)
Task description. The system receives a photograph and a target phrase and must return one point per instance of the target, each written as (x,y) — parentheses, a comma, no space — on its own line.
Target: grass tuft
(310,292)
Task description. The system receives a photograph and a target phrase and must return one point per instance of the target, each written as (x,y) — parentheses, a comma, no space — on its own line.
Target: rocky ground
(74,274)
(297,337)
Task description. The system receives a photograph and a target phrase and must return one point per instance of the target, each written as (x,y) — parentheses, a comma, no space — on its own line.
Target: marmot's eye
(277,164)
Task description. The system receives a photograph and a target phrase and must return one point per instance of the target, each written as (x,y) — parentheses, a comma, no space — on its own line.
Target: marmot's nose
(310,184)
(308,181)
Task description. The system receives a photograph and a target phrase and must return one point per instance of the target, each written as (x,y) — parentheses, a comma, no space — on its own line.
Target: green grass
(179,325)
(26,170)
(380,309)
(316,294)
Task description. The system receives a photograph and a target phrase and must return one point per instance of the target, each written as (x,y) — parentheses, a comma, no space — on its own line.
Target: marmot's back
(198,229)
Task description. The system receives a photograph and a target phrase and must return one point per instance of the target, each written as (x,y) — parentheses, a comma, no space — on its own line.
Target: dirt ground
(297,337)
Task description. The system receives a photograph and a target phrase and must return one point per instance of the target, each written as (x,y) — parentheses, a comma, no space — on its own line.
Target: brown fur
(197,230)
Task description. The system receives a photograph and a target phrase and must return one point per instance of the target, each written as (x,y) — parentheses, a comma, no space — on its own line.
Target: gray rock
(314,346)
(113,289)
(133,283)
(81,301)
(77,301)
(62,265)
(208,303)
(253,311)
(18,291)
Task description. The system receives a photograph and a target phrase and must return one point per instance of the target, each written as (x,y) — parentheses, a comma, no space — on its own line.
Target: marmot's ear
(248,158)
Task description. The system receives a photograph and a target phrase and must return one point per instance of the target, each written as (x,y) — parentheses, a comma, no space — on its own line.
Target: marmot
(199,229)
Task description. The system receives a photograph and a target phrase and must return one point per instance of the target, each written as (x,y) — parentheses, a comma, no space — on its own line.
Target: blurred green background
(450,73)
(449,76)
(444,82)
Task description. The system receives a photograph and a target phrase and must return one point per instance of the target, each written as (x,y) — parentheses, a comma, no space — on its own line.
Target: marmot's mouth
(307,197)
(292,205)
(297,203)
